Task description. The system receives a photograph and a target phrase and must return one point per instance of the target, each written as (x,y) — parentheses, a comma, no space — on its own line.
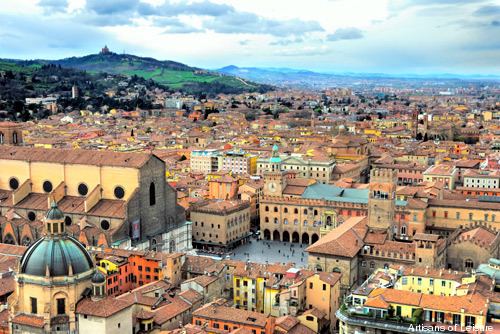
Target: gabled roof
(345,240)
(102,308)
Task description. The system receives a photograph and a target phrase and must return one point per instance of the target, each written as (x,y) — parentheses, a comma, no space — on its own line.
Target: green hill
(172,74)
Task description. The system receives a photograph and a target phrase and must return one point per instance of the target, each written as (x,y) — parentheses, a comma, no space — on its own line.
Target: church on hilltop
(105,50)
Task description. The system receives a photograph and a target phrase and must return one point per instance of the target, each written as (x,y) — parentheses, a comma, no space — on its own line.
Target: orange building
(225,187)
(195,115)
(126,269)
(220,316)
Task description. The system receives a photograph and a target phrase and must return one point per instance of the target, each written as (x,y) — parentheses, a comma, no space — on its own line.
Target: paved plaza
(272,251)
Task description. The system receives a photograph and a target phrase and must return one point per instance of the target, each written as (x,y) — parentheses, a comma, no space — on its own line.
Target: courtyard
(271,251)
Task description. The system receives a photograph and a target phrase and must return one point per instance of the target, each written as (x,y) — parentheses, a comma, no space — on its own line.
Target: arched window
(152,194)
(469,264)
(337,270)
(26,241)
(276,220)
(315,212)
(305,211)
(395,229)
(296,222)
(285,210)
(275,209)
(267,208)
(267,220)
(295,210)
(403,230)
(9,239)
(305,222)
(285,221)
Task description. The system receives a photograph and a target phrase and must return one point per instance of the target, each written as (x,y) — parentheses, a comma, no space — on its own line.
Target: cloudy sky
(389,36)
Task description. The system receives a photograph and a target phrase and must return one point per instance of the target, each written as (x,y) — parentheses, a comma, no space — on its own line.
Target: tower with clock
(274,178)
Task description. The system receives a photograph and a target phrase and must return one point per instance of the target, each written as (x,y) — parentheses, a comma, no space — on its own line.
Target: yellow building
(445,174)
(416,295)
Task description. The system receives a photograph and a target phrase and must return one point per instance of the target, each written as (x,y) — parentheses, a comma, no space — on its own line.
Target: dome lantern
(54,220)
(98,286)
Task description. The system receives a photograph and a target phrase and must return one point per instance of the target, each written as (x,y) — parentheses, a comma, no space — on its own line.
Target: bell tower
(414,124)
(382,200)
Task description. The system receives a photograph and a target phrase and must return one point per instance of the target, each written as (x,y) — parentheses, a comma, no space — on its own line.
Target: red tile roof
(102,308)
(28,320)
(345,240)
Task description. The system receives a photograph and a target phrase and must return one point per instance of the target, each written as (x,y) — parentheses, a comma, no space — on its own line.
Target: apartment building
(204,161)
(399,298)
(445,174)
(482,179)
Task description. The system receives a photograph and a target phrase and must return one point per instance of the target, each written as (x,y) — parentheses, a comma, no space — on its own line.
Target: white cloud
(393,36)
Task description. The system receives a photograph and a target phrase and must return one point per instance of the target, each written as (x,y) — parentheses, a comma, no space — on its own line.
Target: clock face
(272,187)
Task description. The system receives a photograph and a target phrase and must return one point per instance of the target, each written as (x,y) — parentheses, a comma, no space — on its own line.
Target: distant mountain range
(289,76)
(170,73)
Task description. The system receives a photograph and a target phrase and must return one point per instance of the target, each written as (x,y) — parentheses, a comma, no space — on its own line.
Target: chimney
(441,272)
(449,271)
(426,270)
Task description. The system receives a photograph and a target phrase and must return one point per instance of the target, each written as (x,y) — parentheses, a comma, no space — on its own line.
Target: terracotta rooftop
(202,280)
(28,320)
(224,313)
(77,157)
(345,240)
(102,308)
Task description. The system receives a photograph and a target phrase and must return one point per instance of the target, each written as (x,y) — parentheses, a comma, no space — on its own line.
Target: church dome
(58,254)
(98,277)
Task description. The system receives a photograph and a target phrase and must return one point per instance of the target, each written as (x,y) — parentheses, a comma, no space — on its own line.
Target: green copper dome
(54,213)
(58,253)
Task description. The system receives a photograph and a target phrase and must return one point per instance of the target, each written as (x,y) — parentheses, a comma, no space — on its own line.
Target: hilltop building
(105,50)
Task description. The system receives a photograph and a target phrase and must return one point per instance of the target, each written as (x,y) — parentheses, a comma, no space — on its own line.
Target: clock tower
(274,178)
